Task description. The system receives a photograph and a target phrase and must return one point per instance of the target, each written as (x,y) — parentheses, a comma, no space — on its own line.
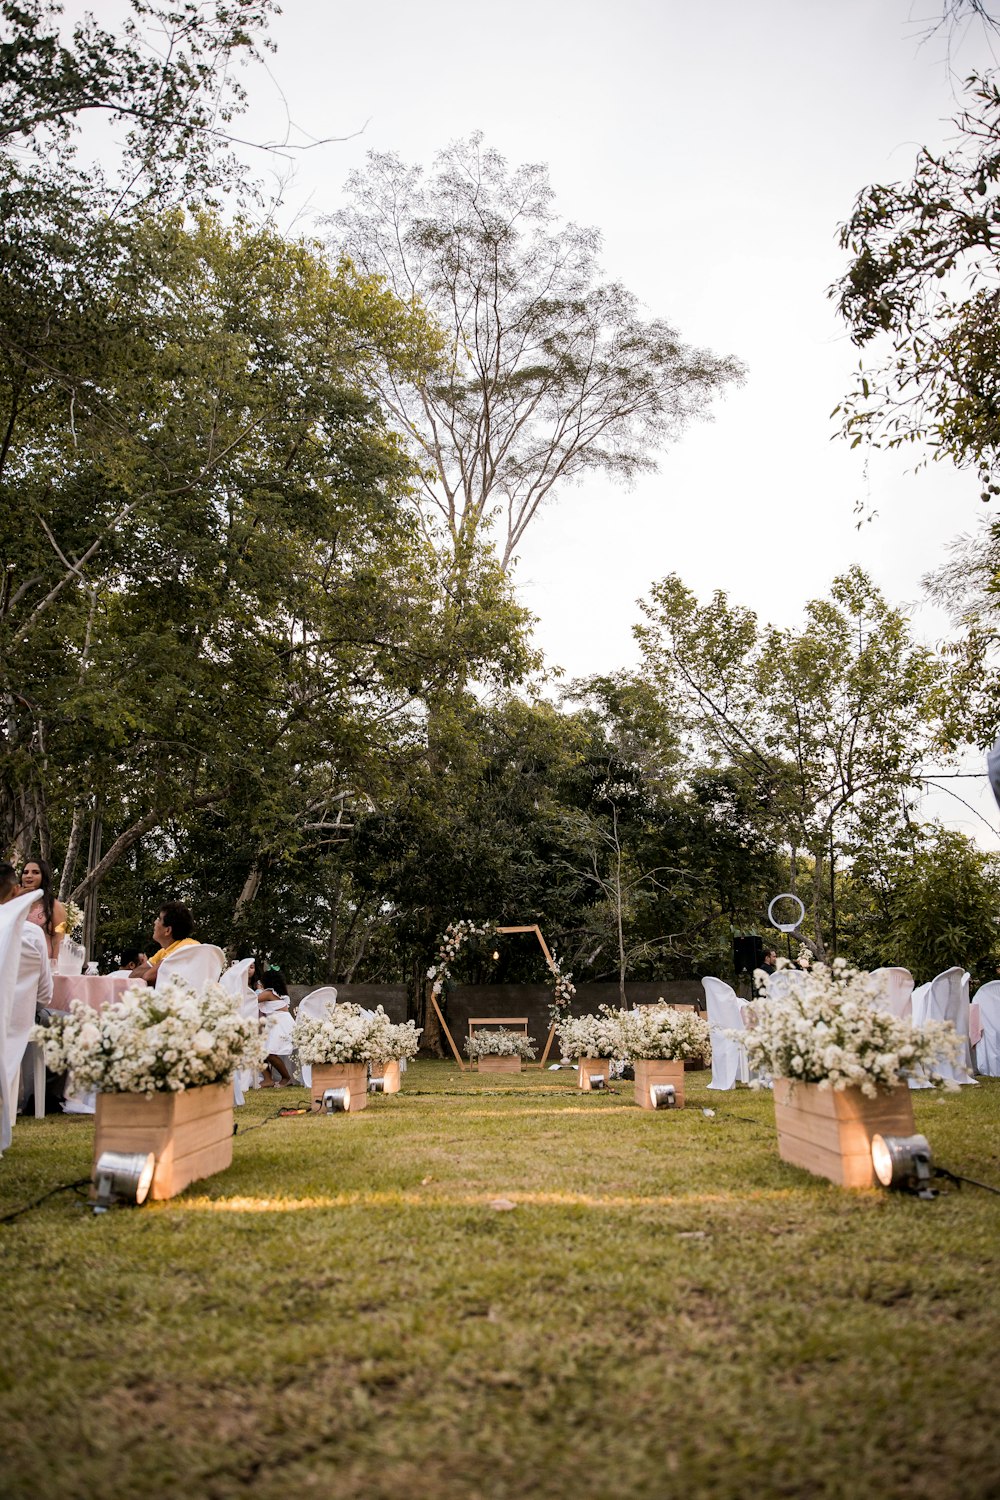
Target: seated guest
(33,986)
(272,998)
(127,961)
(49,914)
(172,930)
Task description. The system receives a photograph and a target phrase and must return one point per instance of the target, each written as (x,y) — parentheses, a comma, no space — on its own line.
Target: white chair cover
(988,1046)
(777,983)
(729,1058)
(200,964)
(896,993)
(946,998)
(12,916)
(315,1004)
(246,1078)
(234,979)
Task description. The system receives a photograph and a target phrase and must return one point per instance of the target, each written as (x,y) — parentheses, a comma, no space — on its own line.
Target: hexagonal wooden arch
(531,927)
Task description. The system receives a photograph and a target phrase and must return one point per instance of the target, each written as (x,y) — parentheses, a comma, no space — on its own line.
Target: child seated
(272,1000)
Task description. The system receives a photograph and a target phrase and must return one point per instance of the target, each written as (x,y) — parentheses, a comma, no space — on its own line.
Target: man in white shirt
(32,987)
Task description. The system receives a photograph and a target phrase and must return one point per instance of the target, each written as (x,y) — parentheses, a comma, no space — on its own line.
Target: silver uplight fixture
(122,1177)
(663,1096)
(903,1162)
(336,1100)
(376,1085)
(597,1080)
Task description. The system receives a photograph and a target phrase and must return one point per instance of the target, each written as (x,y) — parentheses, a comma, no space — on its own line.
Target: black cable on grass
(958,1179)
(246,1129)
(63,1187)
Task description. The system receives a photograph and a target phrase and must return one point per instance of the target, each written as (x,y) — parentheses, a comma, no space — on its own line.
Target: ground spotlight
(597,1080)
(335,1100)
(122,1177)
(376,1085)
(663,1096)
(903,1162)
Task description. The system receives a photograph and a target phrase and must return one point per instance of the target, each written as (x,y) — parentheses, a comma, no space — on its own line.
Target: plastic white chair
(12,918)
(729,1058)
(200,964)
(896,994)
(946,998)
(988,1047)
(315,1005)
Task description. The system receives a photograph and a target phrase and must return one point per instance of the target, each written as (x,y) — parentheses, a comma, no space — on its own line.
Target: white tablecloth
(97,990)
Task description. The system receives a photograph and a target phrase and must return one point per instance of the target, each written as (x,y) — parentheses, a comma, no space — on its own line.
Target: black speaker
(748,953)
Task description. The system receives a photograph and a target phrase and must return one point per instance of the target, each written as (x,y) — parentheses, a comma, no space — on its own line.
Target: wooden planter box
(506,1062)
(392,1079)
(189,1133)
(650,1070)
(353,1076)
(830,1133)
(588,1065)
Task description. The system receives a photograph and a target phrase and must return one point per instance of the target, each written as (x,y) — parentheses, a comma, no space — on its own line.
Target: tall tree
(923,286)
(831,724)
(551,371)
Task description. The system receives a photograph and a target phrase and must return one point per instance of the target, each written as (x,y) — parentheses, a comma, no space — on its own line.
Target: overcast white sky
(717,147)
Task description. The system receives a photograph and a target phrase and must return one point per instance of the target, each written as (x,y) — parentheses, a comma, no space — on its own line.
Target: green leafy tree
(828,725)
(946,909)
(922,292)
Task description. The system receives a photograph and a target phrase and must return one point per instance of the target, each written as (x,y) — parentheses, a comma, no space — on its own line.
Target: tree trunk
(250,888)
(93,860)
(72,853)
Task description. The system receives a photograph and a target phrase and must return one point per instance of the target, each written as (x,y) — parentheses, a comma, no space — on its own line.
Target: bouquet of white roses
(501,1043)
(662,1033)
(826,1028)
(590,1036)
(344,1035)
(152,1041)
(399,1041)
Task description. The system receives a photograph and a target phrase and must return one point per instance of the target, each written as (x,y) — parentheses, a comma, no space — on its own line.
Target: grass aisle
(667,1309)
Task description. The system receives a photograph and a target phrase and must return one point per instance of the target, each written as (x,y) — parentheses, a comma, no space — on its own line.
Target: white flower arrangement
(563,992)
(73,922)
(589,1036)
(343,1035)
(400,1041)
(150,1041)
(662,1033)
(826,1028)
(501,1043)
(456,934)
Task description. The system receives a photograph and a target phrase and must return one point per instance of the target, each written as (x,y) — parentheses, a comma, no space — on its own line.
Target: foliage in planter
(663,1033)
(826,1028)
(346,1034)
(157,1040)
(501,1043)
(590,1036)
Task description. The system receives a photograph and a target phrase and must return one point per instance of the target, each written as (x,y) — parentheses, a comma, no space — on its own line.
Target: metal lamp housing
(903,1162)
(122,1177)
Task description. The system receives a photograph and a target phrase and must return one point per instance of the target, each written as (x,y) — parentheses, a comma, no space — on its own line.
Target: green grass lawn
(667,1310)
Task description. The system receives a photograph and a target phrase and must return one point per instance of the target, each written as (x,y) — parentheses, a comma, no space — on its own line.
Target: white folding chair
(946,998)
(896,992)
(988,1046)
(199,964)
(729,1058)
(315,1005)
(12,918)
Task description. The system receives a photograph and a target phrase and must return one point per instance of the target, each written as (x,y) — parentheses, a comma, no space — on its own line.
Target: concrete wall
(531,1000)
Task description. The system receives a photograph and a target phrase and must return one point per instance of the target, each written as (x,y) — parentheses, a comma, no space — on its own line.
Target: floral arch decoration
(450,945)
